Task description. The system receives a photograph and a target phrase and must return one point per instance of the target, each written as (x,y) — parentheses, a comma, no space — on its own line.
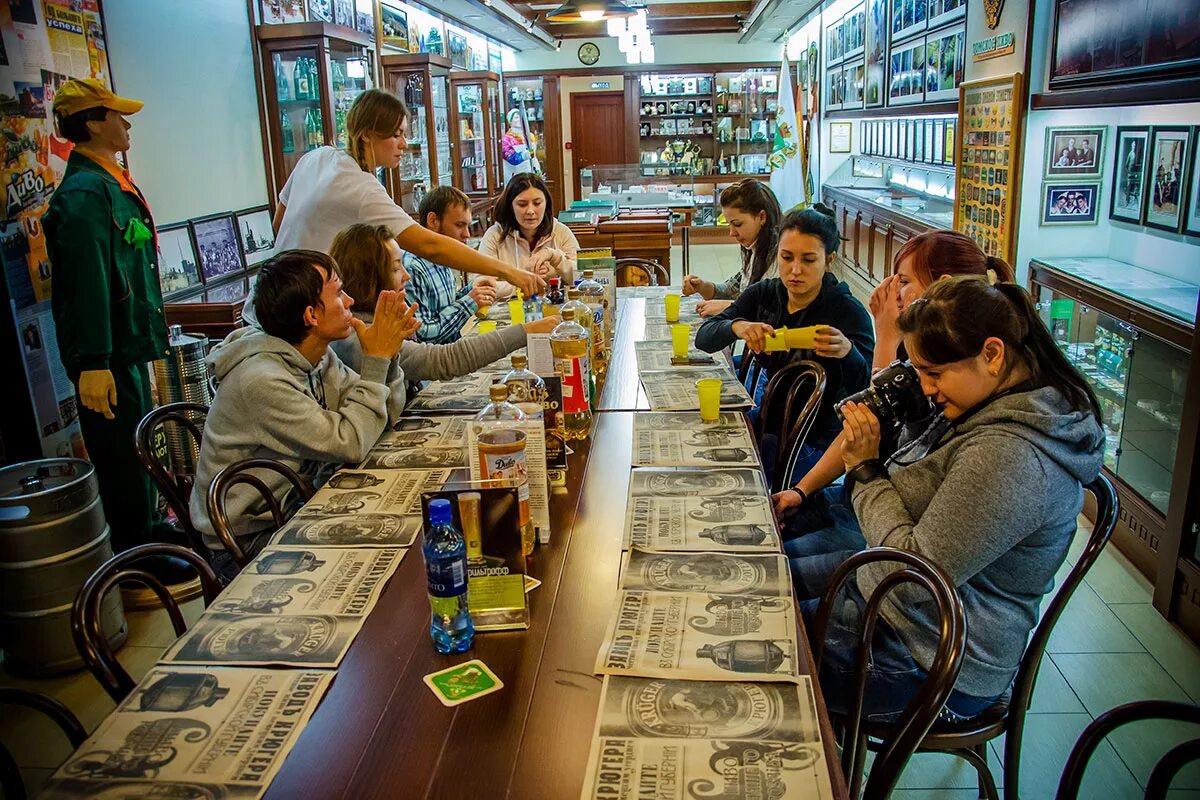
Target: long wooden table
(380,733)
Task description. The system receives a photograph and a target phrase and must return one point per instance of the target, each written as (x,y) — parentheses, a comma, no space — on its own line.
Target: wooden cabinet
(423,81)
(475,130)
(871,234)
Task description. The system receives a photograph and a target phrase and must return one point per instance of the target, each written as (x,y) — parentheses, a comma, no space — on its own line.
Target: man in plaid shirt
(444,306)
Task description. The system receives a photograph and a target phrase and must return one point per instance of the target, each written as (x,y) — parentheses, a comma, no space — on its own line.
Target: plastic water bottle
(446,567)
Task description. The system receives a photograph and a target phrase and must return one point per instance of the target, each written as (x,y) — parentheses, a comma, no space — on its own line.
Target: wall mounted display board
(988,142)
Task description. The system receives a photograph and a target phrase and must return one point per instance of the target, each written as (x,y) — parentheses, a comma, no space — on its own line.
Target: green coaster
(463,682)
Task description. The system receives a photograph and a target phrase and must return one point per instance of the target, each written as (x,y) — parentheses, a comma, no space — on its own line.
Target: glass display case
(629,187)
(538,100)
(312,72)
(676,124)
(746,105)
(475,132)
(423,81)
(923,193)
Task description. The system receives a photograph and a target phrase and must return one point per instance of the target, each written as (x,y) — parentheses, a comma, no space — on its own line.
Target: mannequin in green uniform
(107,304)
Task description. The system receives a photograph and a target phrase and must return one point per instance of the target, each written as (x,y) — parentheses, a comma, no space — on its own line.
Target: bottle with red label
(571,346)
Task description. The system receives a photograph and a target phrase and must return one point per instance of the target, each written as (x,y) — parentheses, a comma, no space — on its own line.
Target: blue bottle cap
(440,512)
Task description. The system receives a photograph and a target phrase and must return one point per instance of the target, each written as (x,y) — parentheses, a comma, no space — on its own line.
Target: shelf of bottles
(351,74)
(525,95)
(675,121)
(298,93)
(439,103)
(425,164)
(493,142)
(746,105)
(472,138)
(1139,382)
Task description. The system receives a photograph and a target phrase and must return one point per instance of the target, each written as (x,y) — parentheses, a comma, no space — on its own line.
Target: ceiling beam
(765,10)
(664,27)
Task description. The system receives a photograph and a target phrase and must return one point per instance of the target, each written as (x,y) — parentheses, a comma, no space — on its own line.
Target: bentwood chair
(1166,768)
(86,628)
(1006,717)
(240,473)
(633,271)
(788,410)
(11,785)
(903,738)
(175,487)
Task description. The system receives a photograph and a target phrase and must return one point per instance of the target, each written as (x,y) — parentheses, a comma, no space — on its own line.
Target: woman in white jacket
(527,236)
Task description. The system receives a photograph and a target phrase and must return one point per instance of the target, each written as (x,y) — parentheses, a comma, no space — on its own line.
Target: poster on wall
(876,51)
(458,49)
(906,82)
(1129,173)
(945,57)
(395,27)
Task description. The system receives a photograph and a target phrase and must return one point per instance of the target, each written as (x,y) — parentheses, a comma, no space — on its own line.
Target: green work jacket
(108,308)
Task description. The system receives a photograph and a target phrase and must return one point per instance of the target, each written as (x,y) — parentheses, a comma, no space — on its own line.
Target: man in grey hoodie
(284,395)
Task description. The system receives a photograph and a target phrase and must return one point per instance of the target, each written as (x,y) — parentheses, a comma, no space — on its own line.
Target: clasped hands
(395,321)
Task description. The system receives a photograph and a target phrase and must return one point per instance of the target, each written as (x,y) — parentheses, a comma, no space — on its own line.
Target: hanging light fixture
(589,11)
(616,26)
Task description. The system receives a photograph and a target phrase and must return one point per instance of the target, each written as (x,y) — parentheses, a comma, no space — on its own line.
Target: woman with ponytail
(989,491)
(753,214)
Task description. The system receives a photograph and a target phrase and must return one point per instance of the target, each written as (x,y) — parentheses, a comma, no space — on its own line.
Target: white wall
(693,49)
(197,147)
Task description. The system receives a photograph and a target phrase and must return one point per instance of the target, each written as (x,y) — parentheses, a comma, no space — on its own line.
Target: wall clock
(589,53)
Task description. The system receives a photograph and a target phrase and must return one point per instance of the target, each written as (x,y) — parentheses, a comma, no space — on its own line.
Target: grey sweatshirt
(993,502)
(272,403)
(422,361)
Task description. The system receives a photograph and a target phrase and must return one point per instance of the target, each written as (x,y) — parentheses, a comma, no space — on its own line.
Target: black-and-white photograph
(1069,204)
(1129,173)
(1191,213)
(178,267)
(1164,183)
(1075,152)
(256,234)
(217,246)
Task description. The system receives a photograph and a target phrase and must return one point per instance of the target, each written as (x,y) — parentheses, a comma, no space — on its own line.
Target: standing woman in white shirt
(527,236)
(330,190)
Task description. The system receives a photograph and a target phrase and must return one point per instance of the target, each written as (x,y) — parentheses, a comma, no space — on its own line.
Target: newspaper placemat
(391,491)
(656,354)
(661,329)
(697,483)
(195,732)
(352,530)
(296,580)
(680,439)
(426,431)
(731,524)
(466,395)
(422,457)
(700,637)
(291,640)
(675,389)
(765,575)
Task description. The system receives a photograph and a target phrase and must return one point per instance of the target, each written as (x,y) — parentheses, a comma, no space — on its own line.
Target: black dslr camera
(894,396)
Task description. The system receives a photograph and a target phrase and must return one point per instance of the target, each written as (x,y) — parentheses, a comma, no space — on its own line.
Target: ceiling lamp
(589,11)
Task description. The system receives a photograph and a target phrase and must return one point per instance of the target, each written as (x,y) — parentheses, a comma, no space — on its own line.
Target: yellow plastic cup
(679,340)
(671,301)
(516,311)
(482,312)
(778,341)
(709,390)
(803,338)
(487,326)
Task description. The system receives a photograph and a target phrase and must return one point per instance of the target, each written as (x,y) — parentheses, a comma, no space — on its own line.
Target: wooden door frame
(619,93)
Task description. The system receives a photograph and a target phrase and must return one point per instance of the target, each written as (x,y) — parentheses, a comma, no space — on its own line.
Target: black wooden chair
(1166,768)
(903,738)
(788,410)
(86,626)
(175,487)
(11,785)
(1006,717)
(750,365)
(240,473)
(648,269)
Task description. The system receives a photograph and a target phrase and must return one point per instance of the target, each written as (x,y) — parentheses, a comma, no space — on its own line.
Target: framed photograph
(839,136)
(944,11)
(1129,173)
(919,140)
(178,267)
(343,13)
(939,141)
(854,32)
(1069,204)
(1191,212)
(1169,157)
(320,10)
(875,37)
(906,83)
(908,18)
(948,143)
(279,11)
(394,23)
(458,49)
(256,234)
(217,246)
(945,57)
(1075,152)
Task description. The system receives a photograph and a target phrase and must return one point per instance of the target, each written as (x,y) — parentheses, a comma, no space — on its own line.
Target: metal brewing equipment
(183,377)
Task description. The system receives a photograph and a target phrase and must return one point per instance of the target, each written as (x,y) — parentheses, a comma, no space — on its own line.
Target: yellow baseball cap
(81,94)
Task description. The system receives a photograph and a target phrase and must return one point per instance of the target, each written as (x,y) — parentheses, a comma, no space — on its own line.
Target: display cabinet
(475,130)
(676,124)
(746,106)
(311,74)
(423,81)
(1129,331)
(538,99)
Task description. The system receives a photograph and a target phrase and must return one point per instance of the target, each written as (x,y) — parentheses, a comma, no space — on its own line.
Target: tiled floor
(1109,647)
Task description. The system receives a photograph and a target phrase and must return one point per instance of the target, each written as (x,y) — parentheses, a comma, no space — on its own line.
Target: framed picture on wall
(948,143)
(458,49)
(908,17)
(1129,173)
(1069,204)
(1075,152)
(919,141)
(178,267)
(839,137)
(256,234)
(1169,157)
(876,24)
(279,11)
(217,246)
(320,10)
(944,11)
(394,23)
(1191,211)
(945,58)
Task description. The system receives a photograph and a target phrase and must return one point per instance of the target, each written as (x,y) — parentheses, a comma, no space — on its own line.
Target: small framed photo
(1169,157)
(1069,204)
(217,246)
(1191,212)
(1129,173)
(178,267)
(839,137)
(320,10)
(948,149)
(256,235)
(1075,152)
(279,11)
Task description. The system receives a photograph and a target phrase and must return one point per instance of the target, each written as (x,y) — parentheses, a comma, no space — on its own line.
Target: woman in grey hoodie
(369,261)
(990,492)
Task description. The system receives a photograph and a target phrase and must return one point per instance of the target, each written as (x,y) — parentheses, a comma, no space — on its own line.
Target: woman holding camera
(920,262)
(753,214)
(989,491)
(805,294)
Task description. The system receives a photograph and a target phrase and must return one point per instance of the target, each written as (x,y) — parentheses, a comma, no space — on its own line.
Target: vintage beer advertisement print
(421,457)
(425,432)
(352,530)
(656,354)
(696,482)
(289,640)
(675,389)
(701,523)
(294,580)
(696,636)
(679,439)
(195,732)
(465,395)
(720,573)
(391,491)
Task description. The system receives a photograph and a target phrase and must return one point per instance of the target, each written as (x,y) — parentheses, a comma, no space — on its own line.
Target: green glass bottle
(300,78)
(285,127)
(314,137)
(283,87)
(314,82)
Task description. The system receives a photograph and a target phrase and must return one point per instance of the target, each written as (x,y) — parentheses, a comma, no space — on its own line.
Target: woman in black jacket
(806,293)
